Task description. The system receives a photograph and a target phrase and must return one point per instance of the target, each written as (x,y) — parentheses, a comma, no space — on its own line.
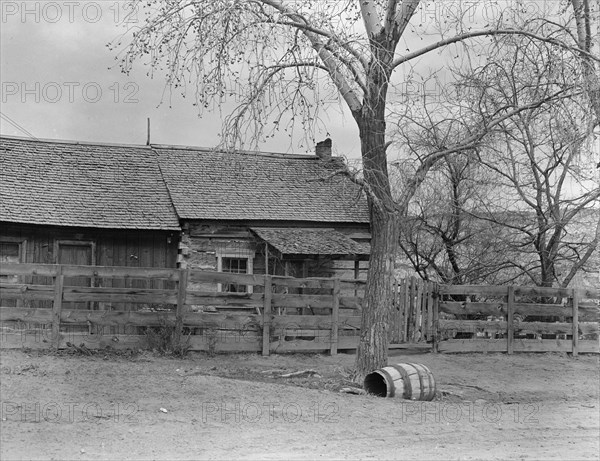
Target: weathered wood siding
(131,248)
(135,248)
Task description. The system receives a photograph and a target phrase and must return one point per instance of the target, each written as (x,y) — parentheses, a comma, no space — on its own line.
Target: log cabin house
(170,206)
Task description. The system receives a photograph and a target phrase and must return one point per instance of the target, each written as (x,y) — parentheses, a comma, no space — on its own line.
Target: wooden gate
(414,316)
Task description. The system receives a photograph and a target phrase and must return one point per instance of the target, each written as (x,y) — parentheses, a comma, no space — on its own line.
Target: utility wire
(17,126)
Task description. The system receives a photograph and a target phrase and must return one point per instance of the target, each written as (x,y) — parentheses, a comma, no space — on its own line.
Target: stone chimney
(323,149)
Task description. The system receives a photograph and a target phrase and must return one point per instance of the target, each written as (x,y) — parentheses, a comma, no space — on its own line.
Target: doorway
(80,253)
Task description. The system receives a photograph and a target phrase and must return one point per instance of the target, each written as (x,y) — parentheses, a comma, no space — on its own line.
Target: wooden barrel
(411,381)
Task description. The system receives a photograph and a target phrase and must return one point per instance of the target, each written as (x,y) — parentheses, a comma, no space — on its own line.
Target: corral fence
(66,306)
(476,318)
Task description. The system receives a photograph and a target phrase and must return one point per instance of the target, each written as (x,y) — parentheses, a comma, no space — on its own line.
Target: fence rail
(267,318)
(517,319)
(43,306)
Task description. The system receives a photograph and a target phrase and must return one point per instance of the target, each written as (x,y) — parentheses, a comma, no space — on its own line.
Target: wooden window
(12,250)
(235,264)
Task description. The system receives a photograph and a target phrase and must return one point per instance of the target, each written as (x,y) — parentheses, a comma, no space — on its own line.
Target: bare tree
(541,159)
(276,57)
(443,238)
(540,189)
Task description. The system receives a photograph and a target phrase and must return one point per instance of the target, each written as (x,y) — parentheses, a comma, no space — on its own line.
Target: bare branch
(591,249)
(491,33)
(370,16)
(356,179)
(404,15)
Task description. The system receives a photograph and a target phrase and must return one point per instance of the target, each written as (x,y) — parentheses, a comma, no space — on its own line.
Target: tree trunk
(378,302)
(377,305)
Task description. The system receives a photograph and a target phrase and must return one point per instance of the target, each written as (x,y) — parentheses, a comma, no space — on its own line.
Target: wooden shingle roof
(154,187)
(83,185)
(205,184)
(296,242)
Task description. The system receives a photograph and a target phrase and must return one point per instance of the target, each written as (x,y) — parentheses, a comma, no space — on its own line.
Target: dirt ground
(140,406)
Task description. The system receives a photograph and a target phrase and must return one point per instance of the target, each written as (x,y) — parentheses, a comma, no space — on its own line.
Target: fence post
(420,312)
(406,310)
(57,305)
(411,309)
(266,340)
(400,307)
(429,325)
(510,327)
(335,316)
(394,333)
(436,318)
(181,295)
(575,323)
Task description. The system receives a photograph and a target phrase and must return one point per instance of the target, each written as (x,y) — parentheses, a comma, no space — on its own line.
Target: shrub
(167,339)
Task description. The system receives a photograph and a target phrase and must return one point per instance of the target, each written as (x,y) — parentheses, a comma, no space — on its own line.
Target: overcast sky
(57,83)
(61,81)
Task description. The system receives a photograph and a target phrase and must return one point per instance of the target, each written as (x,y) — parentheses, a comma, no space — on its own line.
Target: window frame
(22,255)
(248,255)
(22,242)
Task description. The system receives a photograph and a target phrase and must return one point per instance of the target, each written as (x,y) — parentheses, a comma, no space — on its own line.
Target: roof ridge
(153,146)
(72,142)
(215,150)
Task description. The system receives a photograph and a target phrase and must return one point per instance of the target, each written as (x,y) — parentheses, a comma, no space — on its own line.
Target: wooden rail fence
(268,317)
(517,319)
(415,310)
(41,308)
